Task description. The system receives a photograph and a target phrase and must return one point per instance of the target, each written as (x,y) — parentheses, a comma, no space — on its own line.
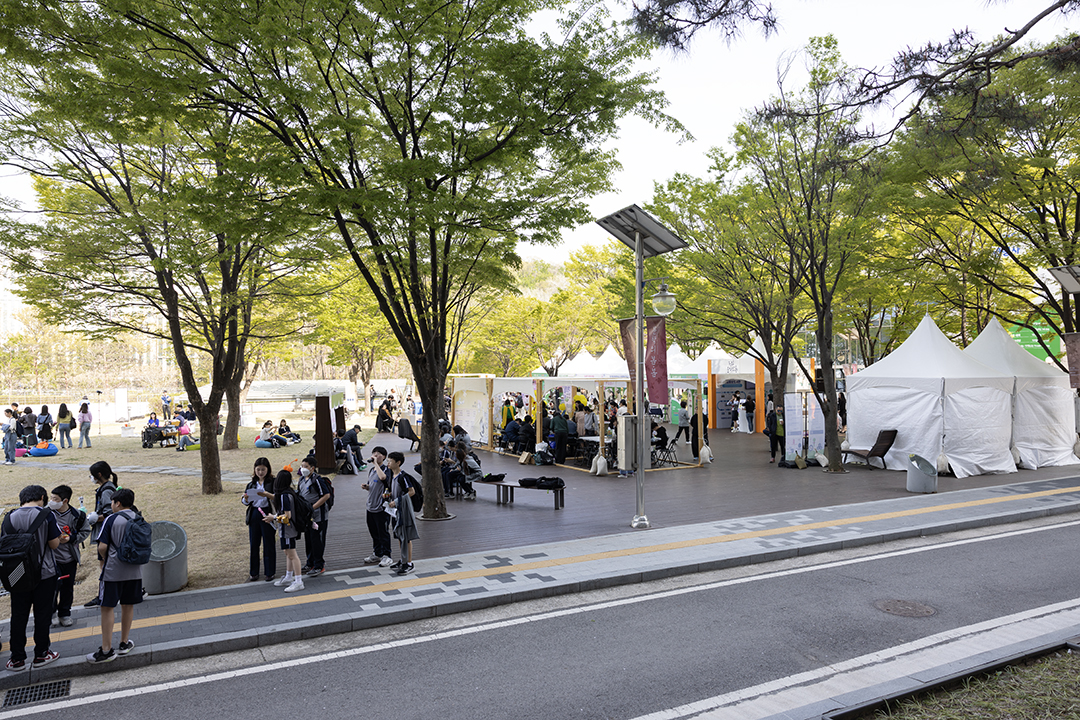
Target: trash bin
(167,570)
(921,475)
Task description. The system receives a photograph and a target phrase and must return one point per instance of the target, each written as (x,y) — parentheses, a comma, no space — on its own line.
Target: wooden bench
(504,491)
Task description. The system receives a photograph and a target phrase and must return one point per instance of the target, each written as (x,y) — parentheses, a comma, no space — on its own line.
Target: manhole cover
(905,608)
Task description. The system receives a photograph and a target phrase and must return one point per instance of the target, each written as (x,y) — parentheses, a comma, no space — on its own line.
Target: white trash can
(921,475)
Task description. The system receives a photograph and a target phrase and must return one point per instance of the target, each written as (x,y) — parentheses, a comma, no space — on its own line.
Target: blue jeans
(84,434)
(9,447)
(65,433)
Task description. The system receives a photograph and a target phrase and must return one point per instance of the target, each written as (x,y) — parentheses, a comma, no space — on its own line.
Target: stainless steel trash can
(167,570)
(921,475)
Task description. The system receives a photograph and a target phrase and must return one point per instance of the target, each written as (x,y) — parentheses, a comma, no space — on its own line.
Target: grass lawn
(217,536)
(1044,689)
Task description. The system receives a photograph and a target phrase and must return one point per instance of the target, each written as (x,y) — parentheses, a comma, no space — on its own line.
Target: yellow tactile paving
(295,600)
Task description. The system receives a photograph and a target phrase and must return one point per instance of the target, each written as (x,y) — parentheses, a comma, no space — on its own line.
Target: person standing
(74,529)
(285,501)
(400,496)
(120,583)
(314,488)
(107,484)
(750,405)
(378,521)
(11,433)
(84,418)
(45,424)
(561,429)
(703,419)
(507,412)
(65,423)
(32,517)
(841,410)
(29,422)
(256,497)
(774,426)
(684,422)
(166,403)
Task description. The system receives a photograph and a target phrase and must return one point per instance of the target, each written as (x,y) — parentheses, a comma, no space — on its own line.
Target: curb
(208,645)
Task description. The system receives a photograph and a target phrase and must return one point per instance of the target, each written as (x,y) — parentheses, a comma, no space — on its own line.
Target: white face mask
(304,472)
(55,505)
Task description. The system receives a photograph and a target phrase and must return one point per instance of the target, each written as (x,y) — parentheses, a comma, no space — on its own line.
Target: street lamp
(641,232)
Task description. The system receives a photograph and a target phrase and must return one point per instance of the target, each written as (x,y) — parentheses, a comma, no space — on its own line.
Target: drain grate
(35,693)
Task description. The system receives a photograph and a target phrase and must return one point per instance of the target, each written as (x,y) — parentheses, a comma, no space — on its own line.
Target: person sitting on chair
(526,436)
(510,434)
(659,436)
(384,421)
(153,421)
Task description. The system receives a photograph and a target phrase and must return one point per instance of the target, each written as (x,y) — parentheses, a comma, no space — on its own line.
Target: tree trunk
(230,440)
(208,448)
(429,385)
(828,402)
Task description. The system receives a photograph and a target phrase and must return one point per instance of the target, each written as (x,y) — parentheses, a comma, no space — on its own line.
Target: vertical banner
(628,332)
(1072,352)
(656,359)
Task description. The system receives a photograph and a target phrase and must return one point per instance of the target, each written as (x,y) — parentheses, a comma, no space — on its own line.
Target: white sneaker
(386,561)
(282,580)
(297,584)
(371,559)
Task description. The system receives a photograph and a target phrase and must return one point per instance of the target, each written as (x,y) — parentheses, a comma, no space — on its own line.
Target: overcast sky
(712,85)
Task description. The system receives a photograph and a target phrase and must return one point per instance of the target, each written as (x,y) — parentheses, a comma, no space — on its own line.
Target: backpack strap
(7,528)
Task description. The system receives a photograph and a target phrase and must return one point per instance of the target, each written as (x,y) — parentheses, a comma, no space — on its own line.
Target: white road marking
(680,712)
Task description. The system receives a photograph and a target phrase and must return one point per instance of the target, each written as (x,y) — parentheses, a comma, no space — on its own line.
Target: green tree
(995,202)
(142,222)
(737,283)
(816,189)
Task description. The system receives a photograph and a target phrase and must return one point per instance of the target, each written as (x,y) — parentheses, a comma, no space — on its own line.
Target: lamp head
(663,301)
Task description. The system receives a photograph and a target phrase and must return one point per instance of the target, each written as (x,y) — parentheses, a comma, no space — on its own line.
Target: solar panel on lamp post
(643,234)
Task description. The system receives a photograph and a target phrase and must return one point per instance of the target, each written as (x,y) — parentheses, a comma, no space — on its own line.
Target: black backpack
(326,485)
(20,555)
(418,497)
(302,512)
(134,549)
(46,432)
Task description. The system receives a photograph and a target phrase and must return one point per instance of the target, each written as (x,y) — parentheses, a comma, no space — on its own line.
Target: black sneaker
(396,566)
(405,569)
(125,647)
(315,572)
(100,656)
(305,570)
(93,603)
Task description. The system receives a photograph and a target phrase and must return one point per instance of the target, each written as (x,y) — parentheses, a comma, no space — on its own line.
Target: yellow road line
(296,600)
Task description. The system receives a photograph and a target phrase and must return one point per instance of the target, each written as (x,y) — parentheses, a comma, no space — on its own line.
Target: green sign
(1027,339)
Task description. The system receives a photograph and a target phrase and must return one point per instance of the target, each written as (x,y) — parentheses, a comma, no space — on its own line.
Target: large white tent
(939,400)
(1044,419)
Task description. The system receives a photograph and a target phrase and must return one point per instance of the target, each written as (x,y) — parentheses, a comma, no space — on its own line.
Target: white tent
(678,362)
(1044,419)
(611,364)
(582,365)
(939,400)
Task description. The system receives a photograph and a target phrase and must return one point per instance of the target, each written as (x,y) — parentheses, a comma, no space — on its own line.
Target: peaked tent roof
(927,358)
(997,348)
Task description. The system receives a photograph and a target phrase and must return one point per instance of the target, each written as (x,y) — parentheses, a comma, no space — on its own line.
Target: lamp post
(641,232)
(1068,276)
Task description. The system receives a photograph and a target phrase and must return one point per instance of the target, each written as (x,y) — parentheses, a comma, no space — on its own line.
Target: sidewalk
(205,622)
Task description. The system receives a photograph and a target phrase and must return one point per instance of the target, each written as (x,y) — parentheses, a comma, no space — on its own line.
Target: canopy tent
(1044,418)
(939,400)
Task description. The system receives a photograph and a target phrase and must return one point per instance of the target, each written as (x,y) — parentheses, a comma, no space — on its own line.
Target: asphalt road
(618,653)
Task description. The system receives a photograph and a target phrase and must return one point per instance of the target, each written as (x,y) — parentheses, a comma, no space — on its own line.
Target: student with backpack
(107,483)
(28,536)
(123,547)
(75,526)
(290,523)
(319,493)
(401,495)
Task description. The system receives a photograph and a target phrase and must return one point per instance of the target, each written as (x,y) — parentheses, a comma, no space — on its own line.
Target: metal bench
(504,491)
